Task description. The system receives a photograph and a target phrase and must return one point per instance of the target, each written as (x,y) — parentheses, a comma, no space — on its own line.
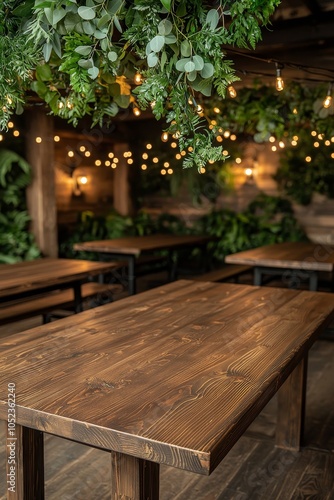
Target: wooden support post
(123,202)
(29,464)
(291,409)
(133,478)
(41,196)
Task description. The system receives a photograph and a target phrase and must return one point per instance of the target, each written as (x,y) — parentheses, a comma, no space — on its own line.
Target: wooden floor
(254,468)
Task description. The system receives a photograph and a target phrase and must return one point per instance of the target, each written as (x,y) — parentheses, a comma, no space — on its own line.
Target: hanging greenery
(80,57)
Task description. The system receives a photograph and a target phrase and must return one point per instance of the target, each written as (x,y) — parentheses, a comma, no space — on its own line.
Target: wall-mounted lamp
(78,182)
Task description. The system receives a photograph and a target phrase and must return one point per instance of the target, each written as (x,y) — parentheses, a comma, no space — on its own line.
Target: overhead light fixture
(279,80)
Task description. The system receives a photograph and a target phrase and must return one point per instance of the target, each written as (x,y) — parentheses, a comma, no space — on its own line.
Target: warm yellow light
(69,105)
(232,91)
(10,124)
(295,111)
(227,134)
(238,160)
(332,139)
(107,163)
(216,110)
(327,102)
(143,167)
(152,104)
(272,138)
(178,156)
(273,148)
(164,136)
(38,140)
(155,160)
(183,153)
(1,137)
(308,159)
(219,138)
(279,79)
(87,154)
(113,165)
(190,149)
(82,149)
(16,133)
(98,163)
(248,172)
(82,179)
(116,160)
(166,164)
(136,111)
(294,143)
(295,137)
(138,79)
(332,155)
(163,172)
(144,156)
(314,133)
(148,146)
(111,155)
(316,144)
(199,109)
(213,122)
(170,171)
(211,162)
(281,144)
(202,170)
(176,135)
(129,161)
(173,145)
(70,154)
(60,105)
(56,138)
(233,137)
(327,143)
(320,137)
(225,152)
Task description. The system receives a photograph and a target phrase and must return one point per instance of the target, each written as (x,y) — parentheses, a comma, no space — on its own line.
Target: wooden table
(174,375)
(295,261)
(29,278)
(131,247)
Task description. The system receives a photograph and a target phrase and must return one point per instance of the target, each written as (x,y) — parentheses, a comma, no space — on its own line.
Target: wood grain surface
(173,375)
(288,255)
(33,275)
(134,245)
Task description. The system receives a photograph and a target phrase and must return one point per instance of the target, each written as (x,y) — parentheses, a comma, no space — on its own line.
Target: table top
(33,275)
(288,255)
(134,245)
(174,375)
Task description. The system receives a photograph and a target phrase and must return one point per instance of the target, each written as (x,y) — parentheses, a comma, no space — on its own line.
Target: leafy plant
(16,242)
(81,57)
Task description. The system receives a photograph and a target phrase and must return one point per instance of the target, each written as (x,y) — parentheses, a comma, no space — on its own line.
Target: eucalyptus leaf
(99,34)
(58,15)
(157,43)
(165,27)
(88,27)
(83,50)
(86,13)
(49,14)
(189,67)
(71,21)
(207,71)
(181,63)
(169,39)
(192,76)
(56,44)
(112,56)
(199,62)
(105,19)
(114,6)
(118,24)
(185,48)
(86,63)
(152,60)
(163,60)
(93,72)
(166,4)
(212,18)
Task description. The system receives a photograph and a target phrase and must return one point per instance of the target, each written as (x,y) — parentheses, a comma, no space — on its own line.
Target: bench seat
(229,271)
(58,299)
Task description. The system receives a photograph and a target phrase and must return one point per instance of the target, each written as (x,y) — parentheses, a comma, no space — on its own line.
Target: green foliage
(80,58)
(16,242)
(267,220)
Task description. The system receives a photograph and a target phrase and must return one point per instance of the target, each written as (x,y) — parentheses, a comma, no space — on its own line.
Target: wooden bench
(45,304)
(229,271)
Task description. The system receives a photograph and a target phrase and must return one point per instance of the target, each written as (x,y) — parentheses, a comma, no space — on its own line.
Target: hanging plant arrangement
(80,57)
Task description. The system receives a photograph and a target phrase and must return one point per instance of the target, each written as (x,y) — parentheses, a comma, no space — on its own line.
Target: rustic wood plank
(224,273)
(29,450)
(302,256)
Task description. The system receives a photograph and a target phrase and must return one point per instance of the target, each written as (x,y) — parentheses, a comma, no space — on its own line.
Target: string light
(16,133)
(136,111)
(164,136)
(232,91)
(38,140)
(328,99)
(56,138)
(279,80)
(138,79)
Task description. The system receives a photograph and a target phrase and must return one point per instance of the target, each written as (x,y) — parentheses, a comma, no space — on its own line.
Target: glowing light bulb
(138,79)
(327,102)
(279,79)
(232,91)
(136,111)
(164,136)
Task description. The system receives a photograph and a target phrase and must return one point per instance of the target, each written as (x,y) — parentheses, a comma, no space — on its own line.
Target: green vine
(80,57)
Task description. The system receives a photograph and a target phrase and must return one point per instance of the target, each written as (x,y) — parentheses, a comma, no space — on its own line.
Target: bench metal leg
(131,275)
(133,478)
(291,409)
(29,451)
(257,280)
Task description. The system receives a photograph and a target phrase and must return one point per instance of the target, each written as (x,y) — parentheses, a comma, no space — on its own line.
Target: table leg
(313,285)
(291,409)
(77,297)
(131,275)
(257,280)
(172,265)
(29,474)
(133,478)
